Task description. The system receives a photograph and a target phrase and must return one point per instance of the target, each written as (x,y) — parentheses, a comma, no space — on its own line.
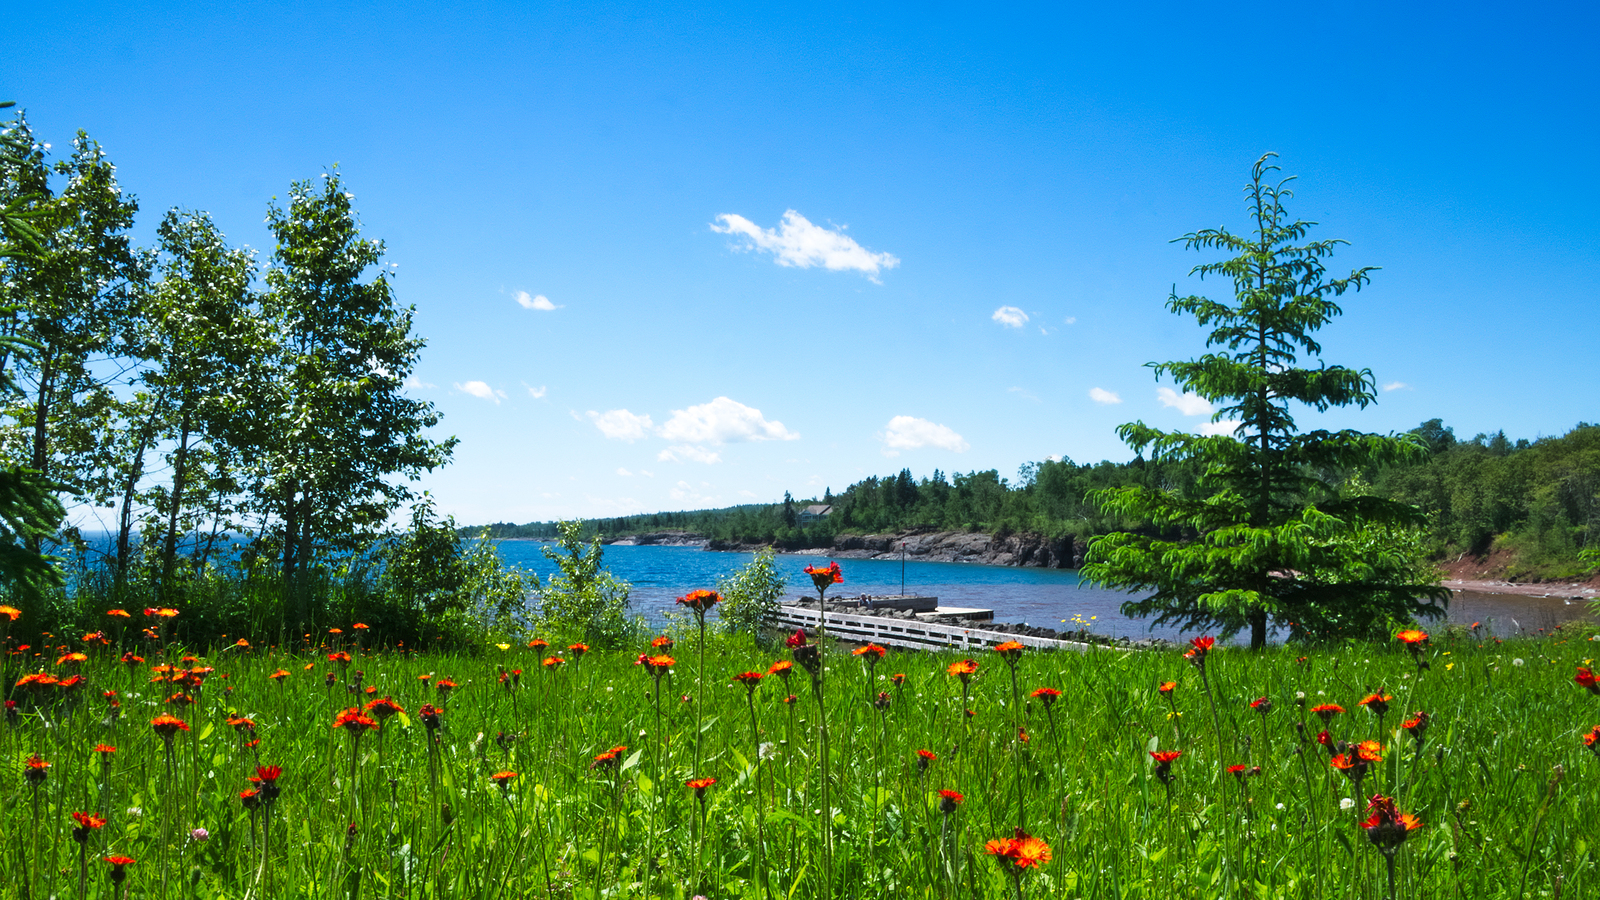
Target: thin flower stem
(1016,706)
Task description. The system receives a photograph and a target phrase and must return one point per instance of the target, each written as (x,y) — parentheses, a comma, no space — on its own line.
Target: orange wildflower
(354,721)
(871,652)
(1010,651)
(167,725)
(35,769)
(1024,851)
(700,601)
(1387,827)
(963,669)
(1326,711)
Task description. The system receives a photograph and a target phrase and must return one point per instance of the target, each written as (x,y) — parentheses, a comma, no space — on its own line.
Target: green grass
(432,824)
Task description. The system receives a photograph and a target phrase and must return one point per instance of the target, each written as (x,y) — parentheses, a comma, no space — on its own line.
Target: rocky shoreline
(1016,549)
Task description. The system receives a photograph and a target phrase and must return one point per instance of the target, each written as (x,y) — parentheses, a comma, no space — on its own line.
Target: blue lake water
(1053,598)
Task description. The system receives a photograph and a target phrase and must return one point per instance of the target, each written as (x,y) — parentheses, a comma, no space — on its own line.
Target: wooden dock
(916,634)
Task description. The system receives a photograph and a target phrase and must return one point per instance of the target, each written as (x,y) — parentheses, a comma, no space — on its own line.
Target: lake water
(1053,598)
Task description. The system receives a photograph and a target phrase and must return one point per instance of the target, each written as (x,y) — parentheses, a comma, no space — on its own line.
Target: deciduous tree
(337,435)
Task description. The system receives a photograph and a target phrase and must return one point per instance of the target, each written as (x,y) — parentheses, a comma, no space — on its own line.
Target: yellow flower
(1449,666)
(503,647)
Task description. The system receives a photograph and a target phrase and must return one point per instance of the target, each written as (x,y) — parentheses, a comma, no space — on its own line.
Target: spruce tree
(1275,531)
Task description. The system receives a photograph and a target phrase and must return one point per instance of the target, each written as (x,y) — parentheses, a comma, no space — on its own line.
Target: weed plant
(503,773)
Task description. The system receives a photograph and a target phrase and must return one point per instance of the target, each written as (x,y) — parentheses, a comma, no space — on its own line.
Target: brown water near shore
(1519,608)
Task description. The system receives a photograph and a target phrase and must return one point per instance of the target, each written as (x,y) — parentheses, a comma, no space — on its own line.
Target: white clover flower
(1347,803)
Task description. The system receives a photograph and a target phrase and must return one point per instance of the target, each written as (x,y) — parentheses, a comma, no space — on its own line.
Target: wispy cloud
(1101,395)
(413,381)
(1188,404)
(481,390)
(1071,320)
(540,302)
(619,424)
(683,492)
(688,453)
(911,433)
(624,472)
(1397,386)
(1225,427)
(796,242)
(722,421)
(1023,392)
(536,393)
(1010,316)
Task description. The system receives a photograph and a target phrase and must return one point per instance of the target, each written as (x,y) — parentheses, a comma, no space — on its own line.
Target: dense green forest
(1539,500)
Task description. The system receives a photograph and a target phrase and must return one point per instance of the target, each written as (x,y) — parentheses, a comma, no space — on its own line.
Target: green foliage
(582,598)
(336,427)
(1539,499)
(1266,535)
(75,296)
(29,510)
(422,566)
(750,595)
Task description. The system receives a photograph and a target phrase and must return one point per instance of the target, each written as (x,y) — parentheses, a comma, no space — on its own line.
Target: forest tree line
(1538,499)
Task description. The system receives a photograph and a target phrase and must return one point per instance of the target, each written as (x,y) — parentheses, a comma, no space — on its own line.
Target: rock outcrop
(658,539)
(1017,549)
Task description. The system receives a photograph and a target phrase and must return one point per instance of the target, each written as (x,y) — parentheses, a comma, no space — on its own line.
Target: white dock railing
(915,633)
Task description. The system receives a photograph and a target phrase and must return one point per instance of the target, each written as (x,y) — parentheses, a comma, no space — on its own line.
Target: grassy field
(808,801)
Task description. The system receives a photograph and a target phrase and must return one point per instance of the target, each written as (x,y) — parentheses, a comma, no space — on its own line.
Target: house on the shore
(814,513)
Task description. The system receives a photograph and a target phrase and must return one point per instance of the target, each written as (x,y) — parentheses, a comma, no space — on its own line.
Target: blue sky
(783,247)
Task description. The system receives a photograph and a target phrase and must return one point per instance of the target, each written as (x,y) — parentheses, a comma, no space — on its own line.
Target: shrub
(750,595)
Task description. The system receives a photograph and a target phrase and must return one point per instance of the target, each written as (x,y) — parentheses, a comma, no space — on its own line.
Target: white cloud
(541,302)
(1010,316)
(1071,320)
(624,472)
(647,473)
(688,453)
(536,393)
(1225,427)
(797,242)
(413,381)
(722,421)
(910,433)
(1397,386)
(1101,395)
(749,494)
(1024,392)
(620,424)
(481,391)
(1188,404)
